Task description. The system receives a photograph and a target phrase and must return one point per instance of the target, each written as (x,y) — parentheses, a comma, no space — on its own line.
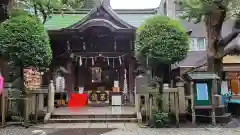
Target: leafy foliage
(198,9)
(45,8)
(160,119)
(17,12)
(213,13)
(161,41)
(24,42)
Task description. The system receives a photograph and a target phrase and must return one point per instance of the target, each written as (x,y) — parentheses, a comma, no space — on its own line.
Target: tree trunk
(3,10)
(22,86)
(213,23)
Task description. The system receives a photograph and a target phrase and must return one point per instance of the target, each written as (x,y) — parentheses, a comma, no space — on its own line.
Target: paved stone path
(114,129)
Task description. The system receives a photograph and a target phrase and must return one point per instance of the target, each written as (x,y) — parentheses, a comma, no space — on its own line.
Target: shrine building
(96,47)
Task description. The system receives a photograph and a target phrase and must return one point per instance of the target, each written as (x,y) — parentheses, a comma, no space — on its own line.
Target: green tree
(24,42)
(213,13)
(161,42)
(45,8)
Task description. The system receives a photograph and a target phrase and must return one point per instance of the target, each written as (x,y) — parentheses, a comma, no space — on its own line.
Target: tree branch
(189,33)
(225,41)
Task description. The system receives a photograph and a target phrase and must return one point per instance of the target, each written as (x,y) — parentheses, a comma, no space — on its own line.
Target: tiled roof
(132,17)
(202,76)
(193,59)
(58,21)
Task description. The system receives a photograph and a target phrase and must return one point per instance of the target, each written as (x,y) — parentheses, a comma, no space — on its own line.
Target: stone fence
(31,104)
(173,100)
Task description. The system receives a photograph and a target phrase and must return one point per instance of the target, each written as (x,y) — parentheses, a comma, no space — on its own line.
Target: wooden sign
(32,78)
(98,97)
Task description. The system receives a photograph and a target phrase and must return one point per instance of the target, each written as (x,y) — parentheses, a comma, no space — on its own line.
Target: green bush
(24,42)
(161,40)
(159,119)
(18,12)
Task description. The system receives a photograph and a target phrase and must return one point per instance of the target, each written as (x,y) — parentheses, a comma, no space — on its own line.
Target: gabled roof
(103,14)
(202,76)
(131,16)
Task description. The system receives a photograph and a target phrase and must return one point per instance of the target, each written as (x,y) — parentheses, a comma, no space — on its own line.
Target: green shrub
(24,42)
(159,119)
(161,40)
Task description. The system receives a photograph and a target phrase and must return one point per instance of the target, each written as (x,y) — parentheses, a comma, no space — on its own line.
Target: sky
(134,4)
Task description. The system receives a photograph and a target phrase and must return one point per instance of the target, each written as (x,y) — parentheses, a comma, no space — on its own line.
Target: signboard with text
(32,78)
(98,97)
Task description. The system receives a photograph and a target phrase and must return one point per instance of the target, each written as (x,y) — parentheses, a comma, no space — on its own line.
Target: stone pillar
(182,106)
(40,101)
(166,97)
(7,87)
(51,94)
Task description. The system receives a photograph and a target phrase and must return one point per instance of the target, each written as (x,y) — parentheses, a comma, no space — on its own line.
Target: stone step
(225,118)
(71,116)
(85,120)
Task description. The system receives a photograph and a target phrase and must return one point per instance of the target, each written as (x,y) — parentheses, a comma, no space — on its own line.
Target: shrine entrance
(97,53)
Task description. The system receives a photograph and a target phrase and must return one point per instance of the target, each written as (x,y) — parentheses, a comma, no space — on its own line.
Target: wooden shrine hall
(98,54)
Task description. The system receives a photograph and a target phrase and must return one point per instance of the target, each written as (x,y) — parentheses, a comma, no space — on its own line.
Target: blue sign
(202,91)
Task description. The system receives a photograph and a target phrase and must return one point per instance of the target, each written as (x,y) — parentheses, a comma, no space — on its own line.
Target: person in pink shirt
(1,83)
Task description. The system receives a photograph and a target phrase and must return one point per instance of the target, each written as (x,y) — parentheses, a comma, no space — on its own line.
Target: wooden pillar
(192,103)
(69,76)
(150,105)
(213,89)
(176,97)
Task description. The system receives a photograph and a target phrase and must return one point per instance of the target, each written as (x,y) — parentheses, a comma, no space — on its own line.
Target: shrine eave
(102,13)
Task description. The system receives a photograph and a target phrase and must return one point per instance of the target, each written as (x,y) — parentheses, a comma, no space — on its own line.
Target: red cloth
(78,100)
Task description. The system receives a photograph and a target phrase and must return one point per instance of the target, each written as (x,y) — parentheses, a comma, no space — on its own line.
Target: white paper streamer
(80,61)
(108,61)
(120,60)
(92,61)
(84,46)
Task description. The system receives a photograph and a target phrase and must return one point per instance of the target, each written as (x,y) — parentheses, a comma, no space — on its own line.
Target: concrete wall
(167,6)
